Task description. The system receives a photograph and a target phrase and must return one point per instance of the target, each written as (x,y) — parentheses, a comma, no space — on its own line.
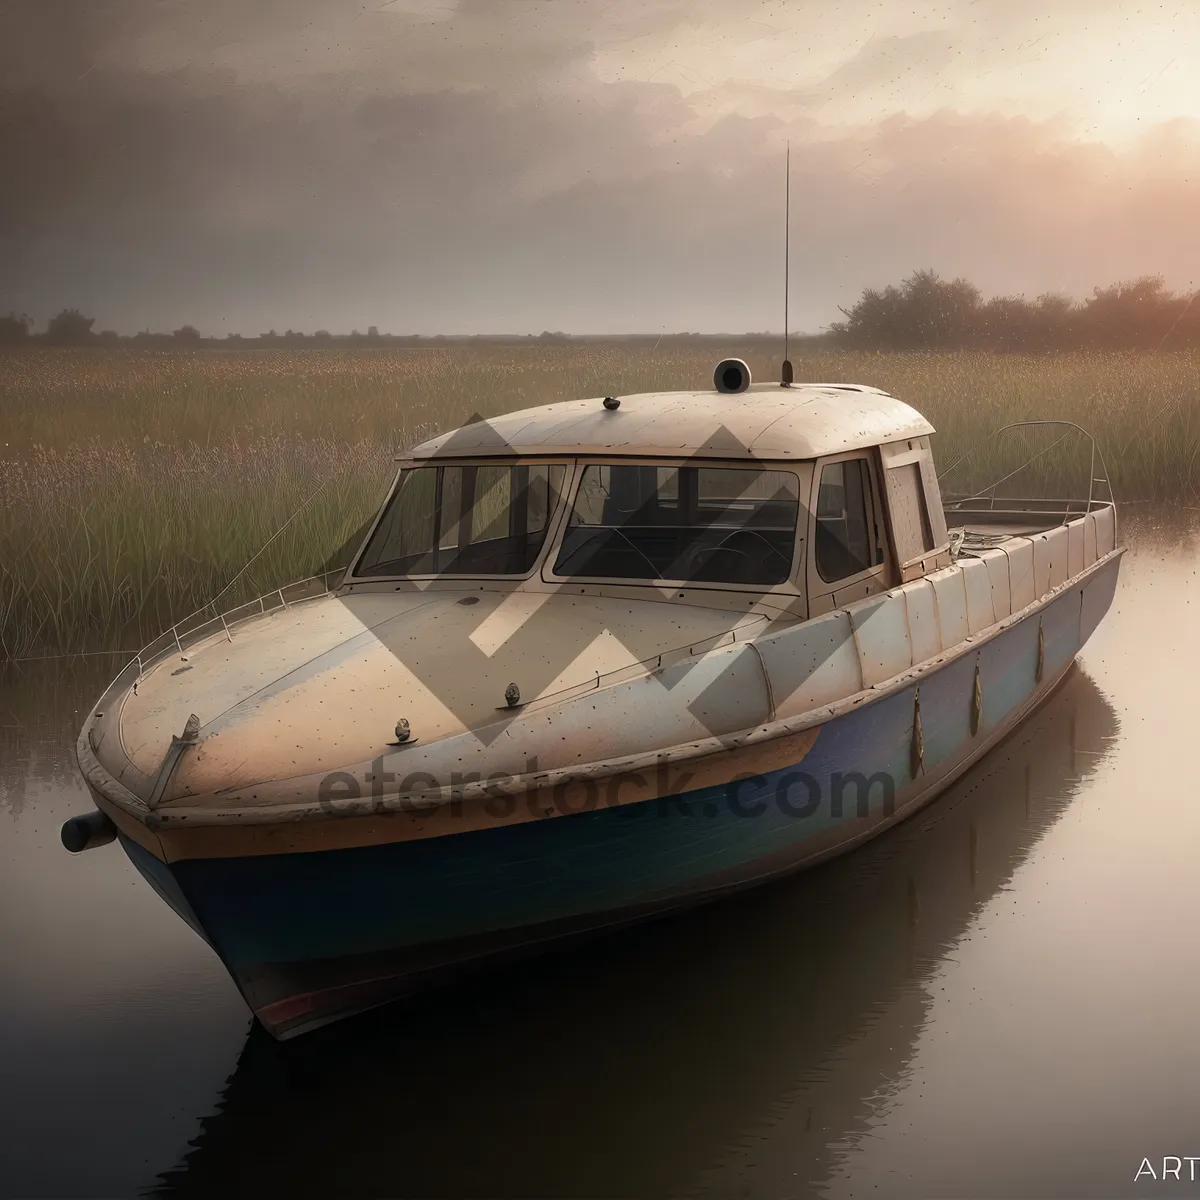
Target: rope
(207,604)
(943,474)
(1028,462)
(212,603)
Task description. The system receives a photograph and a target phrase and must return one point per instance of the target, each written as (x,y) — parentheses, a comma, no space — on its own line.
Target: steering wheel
(724,547)
(692,570)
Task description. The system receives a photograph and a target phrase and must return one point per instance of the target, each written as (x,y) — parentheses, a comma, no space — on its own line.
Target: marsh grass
(135,485)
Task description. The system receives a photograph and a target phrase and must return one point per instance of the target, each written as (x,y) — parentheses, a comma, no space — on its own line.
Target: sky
(592,166)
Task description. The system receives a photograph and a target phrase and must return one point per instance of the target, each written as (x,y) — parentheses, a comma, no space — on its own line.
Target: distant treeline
(71,328)
(925,311)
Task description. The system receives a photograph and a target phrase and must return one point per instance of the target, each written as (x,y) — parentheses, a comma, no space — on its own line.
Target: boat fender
(976,703)
(917,752)
(87,832)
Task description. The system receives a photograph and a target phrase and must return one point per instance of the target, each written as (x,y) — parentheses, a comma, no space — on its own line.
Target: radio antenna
(785,379)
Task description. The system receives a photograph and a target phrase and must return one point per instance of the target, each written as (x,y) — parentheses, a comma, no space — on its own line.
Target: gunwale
(182,820)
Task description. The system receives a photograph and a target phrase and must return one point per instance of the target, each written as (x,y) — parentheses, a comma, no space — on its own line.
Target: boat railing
(209,620)
(742,632)
(989,492)
(198,626)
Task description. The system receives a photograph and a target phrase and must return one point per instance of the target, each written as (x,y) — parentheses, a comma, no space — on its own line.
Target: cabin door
(847,536)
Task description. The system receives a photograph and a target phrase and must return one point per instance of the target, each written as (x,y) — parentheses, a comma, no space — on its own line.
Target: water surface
(998,998)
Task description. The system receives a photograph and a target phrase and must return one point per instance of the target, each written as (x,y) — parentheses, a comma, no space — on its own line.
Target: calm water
(999,998)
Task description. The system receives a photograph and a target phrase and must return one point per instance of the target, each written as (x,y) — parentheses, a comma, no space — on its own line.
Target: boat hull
(313,936)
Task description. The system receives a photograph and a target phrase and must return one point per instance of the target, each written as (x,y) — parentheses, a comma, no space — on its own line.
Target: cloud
(321,163)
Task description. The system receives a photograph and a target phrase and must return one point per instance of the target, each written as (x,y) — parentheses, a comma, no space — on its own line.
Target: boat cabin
(802,498)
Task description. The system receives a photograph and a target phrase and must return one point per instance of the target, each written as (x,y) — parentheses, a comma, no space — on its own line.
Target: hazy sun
(1108,68)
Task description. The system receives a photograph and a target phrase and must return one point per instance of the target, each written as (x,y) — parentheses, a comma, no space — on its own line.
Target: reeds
(134,485)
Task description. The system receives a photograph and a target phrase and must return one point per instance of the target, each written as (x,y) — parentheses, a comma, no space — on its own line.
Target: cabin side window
(845,542)
(487,519)
(687,524)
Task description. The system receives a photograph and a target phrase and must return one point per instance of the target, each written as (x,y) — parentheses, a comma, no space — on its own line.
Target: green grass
(134,485)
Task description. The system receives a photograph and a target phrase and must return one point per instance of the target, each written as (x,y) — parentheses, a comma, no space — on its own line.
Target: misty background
(512,166)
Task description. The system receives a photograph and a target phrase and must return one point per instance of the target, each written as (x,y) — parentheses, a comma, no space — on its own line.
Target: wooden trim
(563,799)
(904,459)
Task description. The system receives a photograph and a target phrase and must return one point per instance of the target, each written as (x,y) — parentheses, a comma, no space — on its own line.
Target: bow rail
(208,620)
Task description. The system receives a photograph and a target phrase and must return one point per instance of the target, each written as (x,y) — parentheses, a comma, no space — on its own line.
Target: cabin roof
(767,421)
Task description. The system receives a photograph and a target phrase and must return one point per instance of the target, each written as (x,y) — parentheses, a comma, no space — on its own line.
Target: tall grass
(134,485)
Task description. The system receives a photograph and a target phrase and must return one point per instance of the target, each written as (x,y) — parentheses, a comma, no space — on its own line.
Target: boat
(889,922)
(593,662)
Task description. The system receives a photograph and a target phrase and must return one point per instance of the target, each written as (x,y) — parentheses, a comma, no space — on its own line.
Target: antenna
(785,379)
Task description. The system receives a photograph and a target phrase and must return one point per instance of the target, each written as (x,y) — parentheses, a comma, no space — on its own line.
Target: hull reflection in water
(632,1065)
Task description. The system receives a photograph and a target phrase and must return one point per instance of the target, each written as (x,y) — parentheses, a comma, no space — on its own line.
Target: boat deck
(1002,529)
(1003,518)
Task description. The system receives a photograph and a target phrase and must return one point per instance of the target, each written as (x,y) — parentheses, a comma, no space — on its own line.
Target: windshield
(684,524)
(465,520)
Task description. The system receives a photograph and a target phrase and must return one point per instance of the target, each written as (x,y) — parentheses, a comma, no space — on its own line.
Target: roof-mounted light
(731,375)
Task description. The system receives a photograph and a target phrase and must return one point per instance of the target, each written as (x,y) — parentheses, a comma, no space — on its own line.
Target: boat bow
(302,692)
